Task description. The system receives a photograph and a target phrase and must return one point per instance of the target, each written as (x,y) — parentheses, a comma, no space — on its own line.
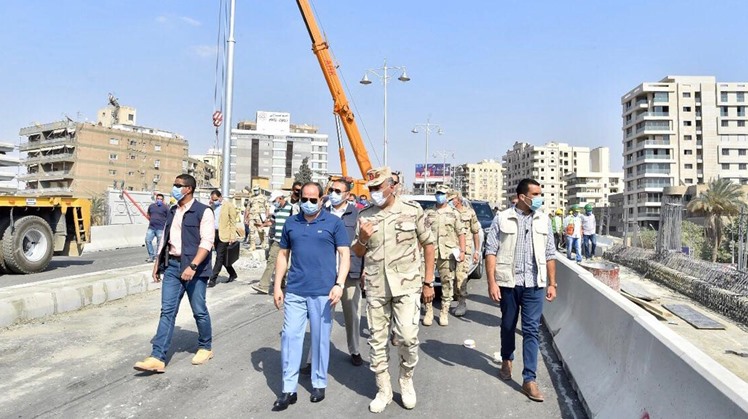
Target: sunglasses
(312,200)
(337,191)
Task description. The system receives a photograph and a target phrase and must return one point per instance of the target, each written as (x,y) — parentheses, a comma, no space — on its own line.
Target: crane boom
(341,107)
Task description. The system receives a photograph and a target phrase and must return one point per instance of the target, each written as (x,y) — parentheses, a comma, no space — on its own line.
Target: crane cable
(345,84)
(220,72)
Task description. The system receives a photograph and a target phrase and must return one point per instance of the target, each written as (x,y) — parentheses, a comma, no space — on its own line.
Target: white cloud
(205,51)
(190,21)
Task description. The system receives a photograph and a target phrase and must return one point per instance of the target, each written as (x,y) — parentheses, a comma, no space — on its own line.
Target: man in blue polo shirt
(313,287)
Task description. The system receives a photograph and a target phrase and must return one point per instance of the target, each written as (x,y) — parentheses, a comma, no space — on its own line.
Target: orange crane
(340,102)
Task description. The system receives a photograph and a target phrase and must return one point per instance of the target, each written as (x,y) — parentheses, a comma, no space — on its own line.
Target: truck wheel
(3,226)
(28,246)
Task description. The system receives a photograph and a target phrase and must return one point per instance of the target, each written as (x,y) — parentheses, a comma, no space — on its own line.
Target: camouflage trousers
(403,313)
(447,272)
(256,234)
(460,288)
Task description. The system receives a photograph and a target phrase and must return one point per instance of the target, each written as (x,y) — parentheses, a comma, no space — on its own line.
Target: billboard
(274,123)
(435,170)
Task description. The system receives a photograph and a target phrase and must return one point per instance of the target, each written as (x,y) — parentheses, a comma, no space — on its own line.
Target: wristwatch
(193,266)
(429,284)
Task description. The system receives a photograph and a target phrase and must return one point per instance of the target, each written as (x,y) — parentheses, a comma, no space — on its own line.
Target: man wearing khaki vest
(521,270)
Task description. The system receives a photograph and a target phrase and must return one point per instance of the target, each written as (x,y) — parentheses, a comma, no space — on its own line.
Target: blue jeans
(296,309)
(589,239)
(530,302)
(576,243)
(172,291)
(149,236)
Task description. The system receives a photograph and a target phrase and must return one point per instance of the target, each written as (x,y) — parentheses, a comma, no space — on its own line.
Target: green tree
(98,209)
(717,204)
(693,238)
(304,174)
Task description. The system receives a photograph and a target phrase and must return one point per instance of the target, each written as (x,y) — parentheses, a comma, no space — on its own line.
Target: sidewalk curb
(32,301)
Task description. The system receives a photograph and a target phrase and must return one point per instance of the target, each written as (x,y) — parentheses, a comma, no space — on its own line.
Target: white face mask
(378,198)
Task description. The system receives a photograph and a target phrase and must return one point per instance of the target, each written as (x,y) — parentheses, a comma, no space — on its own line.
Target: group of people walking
(326,252)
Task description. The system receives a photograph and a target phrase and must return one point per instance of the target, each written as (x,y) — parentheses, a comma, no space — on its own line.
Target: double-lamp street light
(427,127)
(385,76)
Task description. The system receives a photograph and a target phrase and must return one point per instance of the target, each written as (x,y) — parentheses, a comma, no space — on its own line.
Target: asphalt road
(62,266)
(80,365)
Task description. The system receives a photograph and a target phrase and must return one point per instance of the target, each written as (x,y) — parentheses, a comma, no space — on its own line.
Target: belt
(172,257)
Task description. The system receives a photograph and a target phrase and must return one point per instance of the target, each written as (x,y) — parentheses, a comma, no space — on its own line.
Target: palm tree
(98,209)
(721,201)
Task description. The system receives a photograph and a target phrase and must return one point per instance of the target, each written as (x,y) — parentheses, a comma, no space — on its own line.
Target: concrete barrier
(116,237)
(625,364)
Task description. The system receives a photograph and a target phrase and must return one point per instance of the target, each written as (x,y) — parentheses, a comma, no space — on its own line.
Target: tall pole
(225,184)
(426,163)
(386,76)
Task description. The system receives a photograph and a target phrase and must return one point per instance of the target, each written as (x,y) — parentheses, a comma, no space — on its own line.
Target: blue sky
(488,72)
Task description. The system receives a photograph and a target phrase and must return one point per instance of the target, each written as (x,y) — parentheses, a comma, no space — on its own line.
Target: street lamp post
(444,154)
(427,127)
(385,76)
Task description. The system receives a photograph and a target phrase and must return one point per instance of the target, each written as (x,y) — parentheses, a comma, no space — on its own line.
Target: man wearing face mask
(317,239)
(226,216)
(184,260)
(589,227)
(156,215)
(472,229)
(388,237)
(449,233)
(573,231)
(295,196)
(258,214)
(282,213)
(521,270)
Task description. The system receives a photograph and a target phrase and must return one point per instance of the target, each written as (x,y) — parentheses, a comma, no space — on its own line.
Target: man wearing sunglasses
(317,239)
(388,236)
(184,260)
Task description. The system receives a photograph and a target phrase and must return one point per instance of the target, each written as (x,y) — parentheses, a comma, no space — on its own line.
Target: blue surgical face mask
(335,198)
(176,192)
(536,203)
(308,208)
(441,198)
(277,204)
(452,204)
(159,202)
(589,213)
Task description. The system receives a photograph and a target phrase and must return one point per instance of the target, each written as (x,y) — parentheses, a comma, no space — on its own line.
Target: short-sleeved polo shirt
(314,245)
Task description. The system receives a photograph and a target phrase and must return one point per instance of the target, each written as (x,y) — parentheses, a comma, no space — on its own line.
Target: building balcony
(50,158)
(47,176)
(46,145)
(49,191)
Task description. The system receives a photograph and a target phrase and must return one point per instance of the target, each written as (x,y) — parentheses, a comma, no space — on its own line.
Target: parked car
(428,201)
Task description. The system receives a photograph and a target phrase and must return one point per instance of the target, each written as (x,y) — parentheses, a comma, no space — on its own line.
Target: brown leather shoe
(531,390)
(505,373)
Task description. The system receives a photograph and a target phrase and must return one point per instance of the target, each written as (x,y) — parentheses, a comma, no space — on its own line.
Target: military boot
(384,393)
(461,308)
(444,314)
(428,318)
(407,391)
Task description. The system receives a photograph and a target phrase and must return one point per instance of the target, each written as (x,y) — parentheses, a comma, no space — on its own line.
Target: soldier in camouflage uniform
(473,251)
(449,233)
(258,215)
(388,235)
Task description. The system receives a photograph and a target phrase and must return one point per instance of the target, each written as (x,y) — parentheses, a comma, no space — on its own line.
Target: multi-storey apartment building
(482,181)
(273,148)
(11,167)
(682,130)
(84,159)
(547,164)
(596,185)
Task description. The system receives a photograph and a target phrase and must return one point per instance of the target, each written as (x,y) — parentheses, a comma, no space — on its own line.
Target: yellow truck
(33,229)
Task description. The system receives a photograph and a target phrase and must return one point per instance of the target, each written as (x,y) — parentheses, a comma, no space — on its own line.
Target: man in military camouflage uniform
(473,251)
(388,235)
(258,215)
(449,233)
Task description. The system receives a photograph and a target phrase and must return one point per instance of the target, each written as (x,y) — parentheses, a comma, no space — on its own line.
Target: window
(741,110)
(725,151)
(725,166)
(741,152)
(723,97)
(723,111)
(741,123)
(688,181)
(686,109)
(742,166)
(686,94)
(686,123)
(133,143)
(689,166)
(157,163)
(687,138)
(130,117)
(157,147)
(687,152)
(112,156)
(740,96)
(114,141)
(724,123)
(112,172)
(130,173)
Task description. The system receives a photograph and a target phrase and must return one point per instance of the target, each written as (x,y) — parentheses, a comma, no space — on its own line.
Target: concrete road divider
(31,301)
(625,364)
(116,237)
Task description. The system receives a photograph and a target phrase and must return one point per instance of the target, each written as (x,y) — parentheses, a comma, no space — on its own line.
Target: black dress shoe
(211,283)
(357,360)
(231,279)
(284,400)
(318,394)
(306,370)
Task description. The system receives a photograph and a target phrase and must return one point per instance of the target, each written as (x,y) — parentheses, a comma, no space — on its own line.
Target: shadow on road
(183,340)
(268,361)
(452,354)
(357,379)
